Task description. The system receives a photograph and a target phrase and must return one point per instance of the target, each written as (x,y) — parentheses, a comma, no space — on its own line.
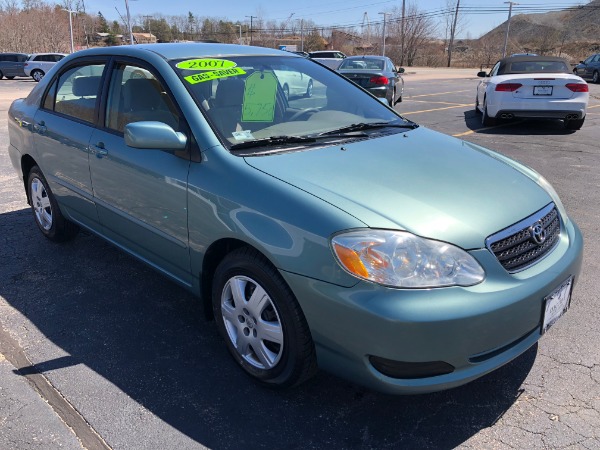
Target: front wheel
(260,320)
(37,75)
(596,77)
(46,212)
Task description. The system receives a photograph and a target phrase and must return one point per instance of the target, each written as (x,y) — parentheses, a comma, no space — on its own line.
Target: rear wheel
(486,120)
(10,78)
(574,124)
(46,212)
(309,89)
(596,77)
(37,75)
(260,320)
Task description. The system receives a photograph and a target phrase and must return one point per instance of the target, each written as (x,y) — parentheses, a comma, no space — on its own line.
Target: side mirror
(482,74)
(154,135)
(401,70)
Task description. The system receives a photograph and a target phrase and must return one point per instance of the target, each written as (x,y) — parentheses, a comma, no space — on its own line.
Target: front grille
(517,247)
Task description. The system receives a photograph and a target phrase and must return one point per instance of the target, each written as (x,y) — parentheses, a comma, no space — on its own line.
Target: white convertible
(532,87)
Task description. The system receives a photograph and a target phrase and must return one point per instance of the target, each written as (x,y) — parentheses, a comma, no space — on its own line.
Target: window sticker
(205,64)
(242,135)
(213,75)
(259,97)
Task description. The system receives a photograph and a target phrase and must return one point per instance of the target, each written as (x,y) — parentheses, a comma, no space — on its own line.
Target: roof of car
(521,58)
(367,56)
(185,50)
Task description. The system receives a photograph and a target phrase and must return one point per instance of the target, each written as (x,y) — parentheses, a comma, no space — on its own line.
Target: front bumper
(474,329)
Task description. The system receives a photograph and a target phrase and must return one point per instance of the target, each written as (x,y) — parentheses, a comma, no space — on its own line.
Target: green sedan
(319,231)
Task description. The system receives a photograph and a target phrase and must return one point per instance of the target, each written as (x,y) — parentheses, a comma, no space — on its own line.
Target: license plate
(542,90)
(556,304)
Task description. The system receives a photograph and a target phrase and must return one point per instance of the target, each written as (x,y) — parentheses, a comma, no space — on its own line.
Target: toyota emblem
(538,233)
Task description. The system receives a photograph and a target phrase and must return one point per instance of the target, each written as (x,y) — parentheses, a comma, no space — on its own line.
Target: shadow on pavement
(517,127)
(149,338)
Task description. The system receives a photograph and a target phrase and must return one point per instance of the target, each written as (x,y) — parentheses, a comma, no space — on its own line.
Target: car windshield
(267,99)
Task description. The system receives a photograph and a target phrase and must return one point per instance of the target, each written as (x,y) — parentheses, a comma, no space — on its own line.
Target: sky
(478,16)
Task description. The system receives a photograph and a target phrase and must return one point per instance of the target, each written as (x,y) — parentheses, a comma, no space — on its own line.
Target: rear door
(62,129)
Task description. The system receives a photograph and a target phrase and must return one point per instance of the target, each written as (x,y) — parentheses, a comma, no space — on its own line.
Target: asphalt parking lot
(132,360)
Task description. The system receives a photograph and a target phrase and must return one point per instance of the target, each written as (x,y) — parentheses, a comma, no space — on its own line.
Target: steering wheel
(302,112)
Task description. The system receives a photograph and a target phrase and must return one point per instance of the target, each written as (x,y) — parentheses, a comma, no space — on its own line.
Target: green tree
(102,24)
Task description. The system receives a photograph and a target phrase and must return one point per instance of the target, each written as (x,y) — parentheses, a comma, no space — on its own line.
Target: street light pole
(508,26)
(384,16)
(240,27)
(71,27)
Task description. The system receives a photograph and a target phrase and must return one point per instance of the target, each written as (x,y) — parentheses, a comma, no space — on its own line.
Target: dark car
(590,68)
(377,74)
(12,65)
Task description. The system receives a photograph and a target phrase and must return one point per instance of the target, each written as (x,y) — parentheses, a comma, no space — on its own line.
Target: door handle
(98,150)
(40,127)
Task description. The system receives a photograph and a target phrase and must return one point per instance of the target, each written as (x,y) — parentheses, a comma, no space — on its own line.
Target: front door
(141,194)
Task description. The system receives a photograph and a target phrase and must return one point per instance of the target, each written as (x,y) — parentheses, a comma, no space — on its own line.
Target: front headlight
(401,259)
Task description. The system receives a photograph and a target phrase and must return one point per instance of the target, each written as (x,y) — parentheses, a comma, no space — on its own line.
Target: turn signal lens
(508,87)
(578,87)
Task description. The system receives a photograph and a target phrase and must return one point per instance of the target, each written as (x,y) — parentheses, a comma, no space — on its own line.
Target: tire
(486,120)
(391,102)
(286,91)
(596,77)
(309,89)
(10,78)
(261,322)
(1,75)
(37,75)
(574,124)
(46,212)
(477,110)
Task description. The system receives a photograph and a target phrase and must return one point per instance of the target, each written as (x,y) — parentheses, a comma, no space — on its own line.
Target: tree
(102,24)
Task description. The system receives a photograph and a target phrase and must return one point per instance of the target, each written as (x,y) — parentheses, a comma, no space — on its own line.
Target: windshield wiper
(369,126)
(273,140)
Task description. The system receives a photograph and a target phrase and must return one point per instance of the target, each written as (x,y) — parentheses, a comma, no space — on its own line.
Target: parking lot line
(440,93)
(436,109)
(429,101)
(466,133)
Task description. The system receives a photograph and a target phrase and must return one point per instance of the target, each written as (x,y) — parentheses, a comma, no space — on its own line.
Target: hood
(421,181)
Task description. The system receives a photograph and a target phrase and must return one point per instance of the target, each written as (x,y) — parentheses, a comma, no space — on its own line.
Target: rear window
(537,66)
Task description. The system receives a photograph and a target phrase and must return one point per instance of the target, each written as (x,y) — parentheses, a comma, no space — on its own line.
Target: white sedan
(532,87)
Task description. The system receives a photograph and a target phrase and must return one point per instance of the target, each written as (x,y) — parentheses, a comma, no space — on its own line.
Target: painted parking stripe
(430,101)
(439,93)
(435,109)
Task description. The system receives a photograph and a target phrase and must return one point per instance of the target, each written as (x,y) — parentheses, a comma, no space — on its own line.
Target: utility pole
(508,26)
(384,16)
(402,33)
(452,31)
(149,28)
(251,17)
(240,27)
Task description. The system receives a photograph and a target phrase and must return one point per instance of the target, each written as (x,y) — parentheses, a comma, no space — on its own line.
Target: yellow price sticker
(205,64)
(259,97)
(213,75)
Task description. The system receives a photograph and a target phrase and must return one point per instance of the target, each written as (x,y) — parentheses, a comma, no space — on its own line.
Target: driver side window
(135,95)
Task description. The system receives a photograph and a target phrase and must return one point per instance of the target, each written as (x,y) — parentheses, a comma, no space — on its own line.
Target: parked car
(294,82)
(330,232)
(12,65)
(377,74)
(590,68)
(329,58)
(39,64)
(537,87)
